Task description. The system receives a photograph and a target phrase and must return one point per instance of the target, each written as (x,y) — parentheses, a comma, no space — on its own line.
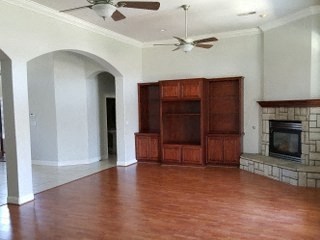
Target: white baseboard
(126,163)
(66,163)
(20,200)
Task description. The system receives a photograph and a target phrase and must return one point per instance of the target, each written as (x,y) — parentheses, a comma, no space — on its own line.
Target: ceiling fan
(107,8)
(187,44)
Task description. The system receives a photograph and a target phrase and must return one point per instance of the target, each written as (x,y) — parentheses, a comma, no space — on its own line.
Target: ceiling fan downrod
(185,8)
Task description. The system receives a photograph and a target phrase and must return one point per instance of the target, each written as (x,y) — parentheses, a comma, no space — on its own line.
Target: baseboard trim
(65,163)
(126,163)
(20,200)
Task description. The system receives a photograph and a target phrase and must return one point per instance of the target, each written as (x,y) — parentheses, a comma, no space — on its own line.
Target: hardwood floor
(149,201)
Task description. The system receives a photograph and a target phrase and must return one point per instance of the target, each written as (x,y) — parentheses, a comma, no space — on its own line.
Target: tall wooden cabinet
(225,110)
(148,138)
(190,121)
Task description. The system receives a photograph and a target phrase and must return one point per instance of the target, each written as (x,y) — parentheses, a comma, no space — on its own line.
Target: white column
(17,131)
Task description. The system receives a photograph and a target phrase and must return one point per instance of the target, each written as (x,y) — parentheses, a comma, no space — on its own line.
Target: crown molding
(38,8)
(290,18)
(222,35)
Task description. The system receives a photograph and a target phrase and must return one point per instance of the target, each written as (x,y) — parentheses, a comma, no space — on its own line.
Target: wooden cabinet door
(192,154)
(142,143)
(147,147)
(231,150)
(223,150)
(191,89)
(170,90)
(153,148)
(215,149)
(171,153)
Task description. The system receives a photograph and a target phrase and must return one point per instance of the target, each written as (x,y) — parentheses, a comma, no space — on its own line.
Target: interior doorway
(111,125)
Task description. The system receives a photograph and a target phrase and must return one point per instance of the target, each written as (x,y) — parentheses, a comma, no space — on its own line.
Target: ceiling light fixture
(187,47)
(104,10)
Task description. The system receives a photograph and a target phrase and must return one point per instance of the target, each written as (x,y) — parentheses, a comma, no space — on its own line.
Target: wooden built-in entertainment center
(191,121)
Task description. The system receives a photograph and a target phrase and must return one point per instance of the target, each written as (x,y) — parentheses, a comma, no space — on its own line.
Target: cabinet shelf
(195,144)
(149,107)
(181,114)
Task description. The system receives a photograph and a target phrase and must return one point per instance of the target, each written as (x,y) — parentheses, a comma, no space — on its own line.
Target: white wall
(71,107)
(315,57)
(288,61)
(236,56)
(29,31)
(42,108)
(121,59)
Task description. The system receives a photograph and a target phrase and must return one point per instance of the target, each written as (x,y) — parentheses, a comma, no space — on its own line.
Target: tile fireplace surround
(306,173)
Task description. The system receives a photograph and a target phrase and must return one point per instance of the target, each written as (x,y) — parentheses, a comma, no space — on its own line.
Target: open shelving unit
(148,138)
(190,121)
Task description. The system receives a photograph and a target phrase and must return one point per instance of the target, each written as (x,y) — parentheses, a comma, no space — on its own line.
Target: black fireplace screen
(285,140)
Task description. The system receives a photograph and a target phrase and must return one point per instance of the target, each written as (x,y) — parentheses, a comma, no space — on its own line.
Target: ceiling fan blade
(164,44)
(77,8)
(211,39)
(203,45)
(180,39)
(140,5)
(116,16)
(177,48)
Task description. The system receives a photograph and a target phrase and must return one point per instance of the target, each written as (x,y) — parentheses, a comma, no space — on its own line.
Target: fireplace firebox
(285,139)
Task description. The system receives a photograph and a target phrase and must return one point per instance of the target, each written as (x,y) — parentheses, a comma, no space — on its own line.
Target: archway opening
(68,112)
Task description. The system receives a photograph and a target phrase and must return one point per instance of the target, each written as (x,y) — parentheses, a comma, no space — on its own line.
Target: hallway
(46,177)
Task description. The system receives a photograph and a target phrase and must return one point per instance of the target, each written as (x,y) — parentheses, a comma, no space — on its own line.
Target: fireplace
(285,139)
(303,118)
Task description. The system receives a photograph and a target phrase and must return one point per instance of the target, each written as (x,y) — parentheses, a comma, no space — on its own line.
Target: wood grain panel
(192,154)
(170,90)
(171,153)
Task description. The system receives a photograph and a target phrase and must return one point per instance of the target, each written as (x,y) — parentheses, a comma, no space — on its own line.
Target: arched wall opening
(67,101)
(18,122)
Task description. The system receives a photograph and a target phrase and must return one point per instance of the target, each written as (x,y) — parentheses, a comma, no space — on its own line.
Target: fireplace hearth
(285,139)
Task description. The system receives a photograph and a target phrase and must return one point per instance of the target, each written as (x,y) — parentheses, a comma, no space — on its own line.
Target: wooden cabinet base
(223,150)
(147,147)
(182,154)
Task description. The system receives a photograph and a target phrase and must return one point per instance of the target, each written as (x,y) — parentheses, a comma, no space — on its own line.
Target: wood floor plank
(149,201)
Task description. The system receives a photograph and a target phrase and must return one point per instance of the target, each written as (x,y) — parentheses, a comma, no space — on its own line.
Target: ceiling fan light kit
(107,8)
(187,47)
(104,10)
(187,44)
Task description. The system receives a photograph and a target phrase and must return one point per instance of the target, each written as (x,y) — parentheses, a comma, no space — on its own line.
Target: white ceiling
(204,16)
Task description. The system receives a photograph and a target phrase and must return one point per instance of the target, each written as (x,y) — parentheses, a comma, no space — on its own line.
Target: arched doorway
(67,92)
(20,182)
